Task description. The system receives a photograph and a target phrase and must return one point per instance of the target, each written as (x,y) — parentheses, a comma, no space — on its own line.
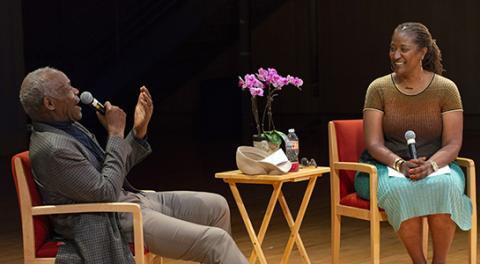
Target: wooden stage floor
(315,230)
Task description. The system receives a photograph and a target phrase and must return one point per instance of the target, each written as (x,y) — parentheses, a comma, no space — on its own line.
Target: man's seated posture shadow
(69,166)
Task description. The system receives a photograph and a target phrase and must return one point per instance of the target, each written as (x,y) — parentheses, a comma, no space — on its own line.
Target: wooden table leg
(248,224)
(277,189)
(289,218)
(298,220)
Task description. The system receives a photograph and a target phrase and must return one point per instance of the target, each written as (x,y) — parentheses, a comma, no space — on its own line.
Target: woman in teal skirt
(416,97)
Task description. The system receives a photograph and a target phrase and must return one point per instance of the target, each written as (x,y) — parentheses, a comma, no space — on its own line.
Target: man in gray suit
(69,166)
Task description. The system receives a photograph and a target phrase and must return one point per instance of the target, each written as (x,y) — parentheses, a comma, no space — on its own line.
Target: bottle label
(292,150)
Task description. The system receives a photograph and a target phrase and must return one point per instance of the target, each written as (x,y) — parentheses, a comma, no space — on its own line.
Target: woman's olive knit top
(421,113)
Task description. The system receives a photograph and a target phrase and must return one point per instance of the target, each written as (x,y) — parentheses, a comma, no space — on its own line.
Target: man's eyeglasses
(308,163)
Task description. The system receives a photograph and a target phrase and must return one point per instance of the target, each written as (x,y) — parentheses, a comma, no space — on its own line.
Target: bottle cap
(291,130)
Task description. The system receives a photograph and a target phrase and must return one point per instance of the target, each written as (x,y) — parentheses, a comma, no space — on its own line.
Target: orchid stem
(255,114)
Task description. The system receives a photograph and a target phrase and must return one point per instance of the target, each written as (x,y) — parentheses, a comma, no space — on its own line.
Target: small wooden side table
(309,174)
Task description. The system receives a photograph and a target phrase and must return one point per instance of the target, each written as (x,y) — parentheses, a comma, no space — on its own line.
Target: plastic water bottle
(292,149)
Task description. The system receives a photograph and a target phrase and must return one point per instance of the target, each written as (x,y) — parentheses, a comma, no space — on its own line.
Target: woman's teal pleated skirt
(402,198)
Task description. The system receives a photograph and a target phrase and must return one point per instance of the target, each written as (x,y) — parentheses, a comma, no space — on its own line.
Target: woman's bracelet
(397,163)
(394,165)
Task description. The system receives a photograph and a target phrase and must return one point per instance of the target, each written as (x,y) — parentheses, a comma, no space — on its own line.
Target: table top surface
(300,175)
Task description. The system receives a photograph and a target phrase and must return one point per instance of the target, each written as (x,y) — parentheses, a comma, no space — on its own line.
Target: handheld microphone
(88,99)
(410,137)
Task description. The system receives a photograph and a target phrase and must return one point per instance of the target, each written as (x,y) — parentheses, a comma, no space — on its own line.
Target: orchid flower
(266,82)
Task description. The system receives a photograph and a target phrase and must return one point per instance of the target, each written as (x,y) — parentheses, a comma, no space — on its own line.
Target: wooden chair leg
(375,240)
(472,240)
(425,236)
(335,246)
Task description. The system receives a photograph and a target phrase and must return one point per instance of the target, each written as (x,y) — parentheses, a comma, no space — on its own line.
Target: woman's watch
(434,165)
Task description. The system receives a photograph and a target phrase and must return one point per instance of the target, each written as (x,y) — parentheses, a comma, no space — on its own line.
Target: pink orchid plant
(267,83)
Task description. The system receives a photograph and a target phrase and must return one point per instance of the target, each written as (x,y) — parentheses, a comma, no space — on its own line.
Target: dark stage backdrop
(12,129)
(189,53)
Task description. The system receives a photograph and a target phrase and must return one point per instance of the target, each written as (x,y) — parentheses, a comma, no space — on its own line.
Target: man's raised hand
(143,113)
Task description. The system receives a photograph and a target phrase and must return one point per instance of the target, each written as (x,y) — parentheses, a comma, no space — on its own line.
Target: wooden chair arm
(86,208)
(102,207)
(470,177)
(465,162)
(362,167)
(355,166)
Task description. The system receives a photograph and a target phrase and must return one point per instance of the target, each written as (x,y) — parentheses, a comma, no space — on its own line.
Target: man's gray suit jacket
(67,172)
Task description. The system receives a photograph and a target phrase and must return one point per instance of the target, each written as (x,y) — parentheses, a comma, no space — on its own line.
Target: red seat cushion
(50,249)
(355,201)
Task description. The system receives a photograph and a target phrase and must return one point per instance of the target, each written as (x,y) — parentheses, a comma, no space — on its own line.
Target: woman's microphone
(88,99)
(410,137)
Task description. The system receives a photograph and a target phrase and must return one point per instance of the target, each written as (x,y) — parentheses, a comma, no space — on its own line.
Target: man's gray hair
(36,85)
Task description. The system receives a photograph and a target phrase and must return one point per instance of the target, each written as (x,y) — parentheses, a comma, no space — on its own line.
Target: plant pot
(262,143)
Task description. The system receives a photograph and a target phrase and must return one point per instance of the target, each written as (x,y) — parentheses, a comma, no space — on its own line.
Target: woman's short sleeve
(374,98)
(451,100)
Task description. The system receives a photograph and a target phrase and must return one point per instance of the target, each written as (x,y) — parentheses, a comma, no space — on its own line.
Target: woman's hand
(405,166)
(420,169)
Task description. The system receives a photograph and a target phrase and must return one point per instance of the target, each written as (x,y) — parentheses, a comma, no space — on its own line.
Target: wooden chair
(36,228)
(346,142)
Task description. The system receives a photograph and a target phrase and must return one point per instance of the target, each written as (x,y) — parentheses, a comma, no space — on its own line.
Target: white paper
(277,161)
(442,170)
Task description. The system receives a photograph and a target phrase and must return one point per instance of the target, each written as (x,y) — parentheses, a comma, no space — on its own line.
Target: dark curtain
(12,131)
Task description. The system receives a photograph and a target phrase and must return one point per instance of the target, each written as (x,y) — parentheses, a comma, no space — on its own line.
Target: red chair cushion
(350,143)
(355,201)
(41,224)
(50,249)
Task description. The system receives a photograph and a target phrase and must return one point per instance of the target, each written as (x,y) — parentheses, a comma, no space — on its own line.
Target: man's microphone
(88,99)
(410,137)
